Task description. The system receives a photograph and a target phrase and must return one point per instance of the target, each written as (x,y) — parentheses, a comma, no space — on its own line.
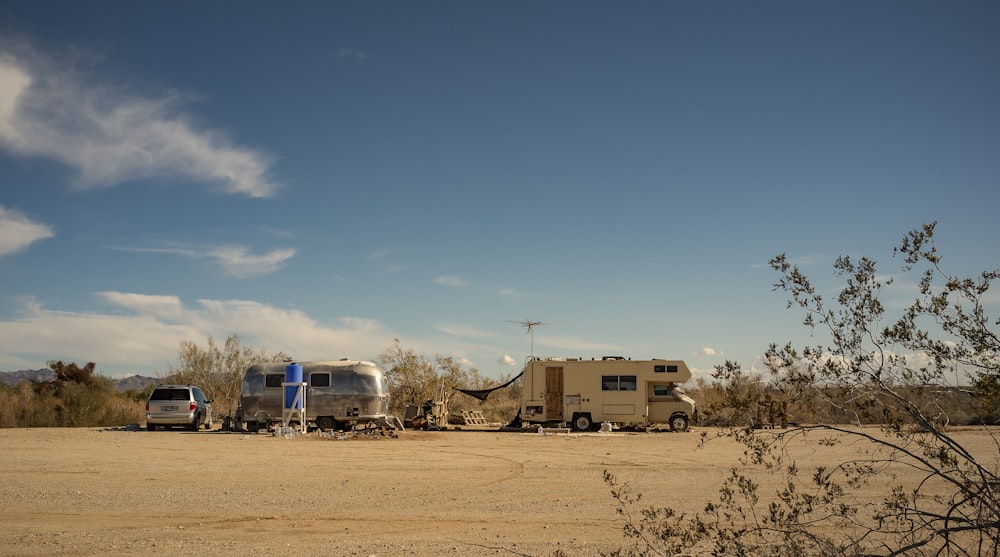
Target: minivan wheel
(194,424)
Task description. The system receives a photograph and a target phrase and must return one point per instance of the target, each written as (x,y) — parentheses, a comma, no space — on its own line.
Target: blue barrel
(293,374)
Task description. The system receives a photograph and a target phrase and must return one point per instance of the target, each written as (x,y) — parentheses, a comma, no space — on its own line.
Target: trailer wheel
(325,423)
(679,423)
(582,422)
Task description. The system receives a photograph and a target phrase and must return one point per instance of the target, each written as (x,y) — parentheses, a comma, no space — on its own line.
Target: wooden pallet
(473,417)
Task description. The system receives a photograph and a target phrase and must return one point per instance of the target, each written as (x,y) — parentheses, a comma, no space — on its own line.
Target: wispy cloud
(355,56)
(110,136)
(707,351)
(235,260)
(576,344)
(450,281)
(383,259)
(17,231)
(465,331)
(142,333)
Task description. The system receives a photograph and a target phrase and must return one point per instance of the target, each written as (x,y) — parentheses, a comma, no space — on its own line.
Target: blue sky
(324,177)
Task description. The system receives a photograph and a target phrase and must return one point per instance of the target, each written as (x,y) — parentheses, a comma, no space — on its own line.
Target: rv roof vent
(613,358)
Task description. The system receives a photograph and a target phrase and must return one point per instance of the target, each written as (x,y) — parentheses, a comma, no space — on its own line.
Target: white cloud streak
(17,231)
(446,280)
(235,260)
(142,333)
(110,136)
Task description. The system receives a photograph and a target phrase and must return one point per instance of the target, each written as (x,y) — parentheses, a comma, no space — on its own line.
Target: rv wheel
(678,423)
(582,422)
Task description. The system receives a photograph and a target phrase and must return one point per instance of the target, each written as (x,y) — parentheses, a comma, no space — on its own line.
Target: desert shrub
(414,379)
(886,387)
(75,398)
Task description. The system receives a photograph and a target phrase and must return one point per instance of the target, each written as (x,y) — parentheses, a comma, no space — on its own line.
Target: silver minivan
(178,405)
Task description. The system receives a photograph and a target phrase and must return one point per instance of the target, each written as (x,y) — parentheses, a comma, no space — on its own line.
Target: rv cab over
(585,393)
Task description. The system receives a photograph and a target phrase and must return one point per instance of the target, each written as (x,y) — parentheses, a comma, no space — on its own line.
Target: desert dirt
(92,491)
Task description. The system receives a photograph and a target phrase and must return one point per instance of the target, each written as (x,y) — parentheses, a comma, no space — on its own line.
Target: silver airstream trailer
(339,394)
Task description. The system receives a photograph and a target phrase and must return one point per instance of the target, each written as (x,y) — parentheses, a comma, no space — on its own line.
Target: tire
(150,427)
(194,424)
(679,423)
(582,422)
(326,423)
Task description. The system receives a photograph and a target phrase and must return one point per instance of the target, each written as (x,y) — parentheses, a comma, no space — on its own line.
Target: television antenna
(529,327)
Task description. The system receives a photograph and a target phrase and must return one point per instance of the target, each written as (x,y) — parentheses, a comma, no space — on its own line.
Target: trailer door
(553,393)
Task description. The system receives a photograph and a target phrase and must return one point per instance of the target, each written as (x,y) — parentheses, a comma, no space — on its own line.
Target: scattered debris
(473,417)
(128,427)
(364,432)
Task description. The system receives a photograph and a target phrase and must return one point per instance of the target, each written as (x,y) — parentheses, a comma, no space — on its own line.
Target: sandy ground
(88,491)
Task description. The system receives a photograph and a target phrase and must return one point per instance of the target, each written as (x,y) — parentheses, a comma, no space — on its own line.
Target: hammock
(481,394)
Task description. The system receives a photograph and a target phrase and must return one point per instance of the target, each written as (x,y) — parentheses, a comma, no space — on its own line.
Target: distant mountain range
(130,383)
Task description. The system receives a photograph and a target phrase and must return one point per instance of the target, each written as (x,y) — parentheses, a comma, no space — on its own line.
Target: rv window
(319,380)
(618,383)
(661,369)
(273,380)
(662,390)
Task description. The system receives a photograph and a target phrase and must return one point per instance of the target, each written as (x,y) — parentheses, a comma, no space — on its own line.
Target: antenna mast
(529,326)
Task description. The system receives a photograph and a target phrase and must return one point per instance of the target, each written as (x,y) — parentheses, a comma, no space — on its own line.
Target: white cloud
(383,259)
(449,281)
(575,344)
(142,333)
(239,262)
(707,351)
(351,54)
(507,360)
(465,331)
(161,307)
(16,230)
(235,260)
(110,136)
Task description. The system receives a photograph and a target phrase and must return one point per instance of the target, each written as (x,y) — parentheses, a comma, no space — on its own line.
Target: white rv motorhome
(583,393)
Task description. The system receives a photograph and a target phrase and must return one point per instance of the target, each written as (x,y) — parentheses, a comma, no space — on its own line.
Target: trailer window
(273,380)
(618,383)
(319,380)
(367,385)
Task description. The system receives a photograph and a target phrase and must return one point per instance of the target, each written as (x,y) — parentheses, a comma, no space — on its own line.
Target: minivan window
(169,394)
